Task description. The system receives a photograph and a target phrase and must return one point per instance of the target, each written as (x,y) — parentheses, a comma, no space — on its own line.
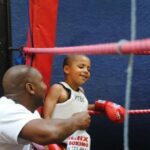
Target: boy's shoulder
(56,87)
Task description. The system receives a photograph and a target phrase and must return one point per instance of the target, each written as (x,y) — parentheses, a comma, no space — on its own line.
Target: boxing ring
(123,47)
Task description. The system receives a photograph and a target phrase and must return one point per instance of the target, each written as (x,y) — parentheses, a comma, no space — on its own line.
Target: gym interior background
(91,22)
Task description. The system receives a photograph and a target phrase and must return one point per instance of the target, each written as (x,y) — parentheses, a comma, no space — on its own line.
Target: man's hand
(82,119)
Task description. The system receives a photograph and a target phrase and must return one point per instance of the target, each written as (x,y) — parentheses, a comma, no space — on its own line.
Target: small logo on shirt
(79,98)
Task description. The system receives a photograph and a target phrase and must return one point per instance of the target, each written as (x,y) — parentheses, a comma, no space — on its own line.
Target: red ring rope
(131,112)
(138,47)
(138,112)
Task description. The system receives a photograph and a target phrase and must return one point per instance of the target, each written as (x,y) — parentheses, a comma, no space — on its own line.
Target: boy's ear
(30,88)
(66,69)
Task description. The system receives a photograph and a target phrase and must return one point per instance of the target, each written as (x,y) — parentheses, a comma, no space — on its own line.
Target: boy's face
(78,70)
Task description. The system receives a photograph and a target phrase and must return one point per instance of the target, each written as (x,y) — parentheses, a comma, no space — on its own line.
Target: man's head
(77,68)
(24,84)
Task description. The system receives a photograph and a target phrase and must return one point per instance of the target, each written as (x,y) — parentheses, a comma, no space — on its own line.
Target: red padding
(43,16)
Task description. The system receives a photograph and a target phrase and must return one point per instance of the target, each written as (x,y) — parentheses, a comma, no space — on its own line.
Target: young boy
(66,98)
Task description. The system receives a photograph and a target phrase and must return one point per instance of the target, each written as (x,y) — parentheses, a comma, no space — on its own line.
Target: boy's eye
(81,66)
(89,69)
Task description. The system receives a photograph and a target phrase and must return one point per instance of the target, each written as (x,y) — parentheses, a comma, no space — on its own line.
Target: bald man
(24,91)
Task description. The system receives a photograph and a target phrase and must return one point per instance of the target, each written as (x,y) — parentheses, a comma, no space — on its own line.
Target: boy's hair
(65,62)
(68,57)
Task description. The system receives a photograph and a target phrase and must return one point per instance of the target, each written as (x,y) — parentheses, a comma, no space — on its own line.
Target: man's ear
(66,69)
(30,88)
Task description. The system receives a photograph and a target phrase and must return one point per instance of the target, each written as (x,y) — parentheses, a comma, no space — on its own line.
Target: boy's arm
(51,100)
(91,107)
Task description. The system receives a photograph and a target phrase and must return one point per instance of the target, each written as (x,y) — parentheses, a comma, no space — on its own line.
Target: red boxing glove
(114,112)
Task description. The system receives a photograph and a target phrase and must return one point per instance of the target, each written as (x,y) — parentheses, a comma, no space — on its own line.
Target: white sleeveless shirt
(76,103)
(79,140)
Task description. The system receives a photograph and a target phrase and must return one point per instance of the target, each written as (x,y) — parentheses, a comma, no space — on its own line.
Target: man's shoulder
(8,106)
(4,100)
